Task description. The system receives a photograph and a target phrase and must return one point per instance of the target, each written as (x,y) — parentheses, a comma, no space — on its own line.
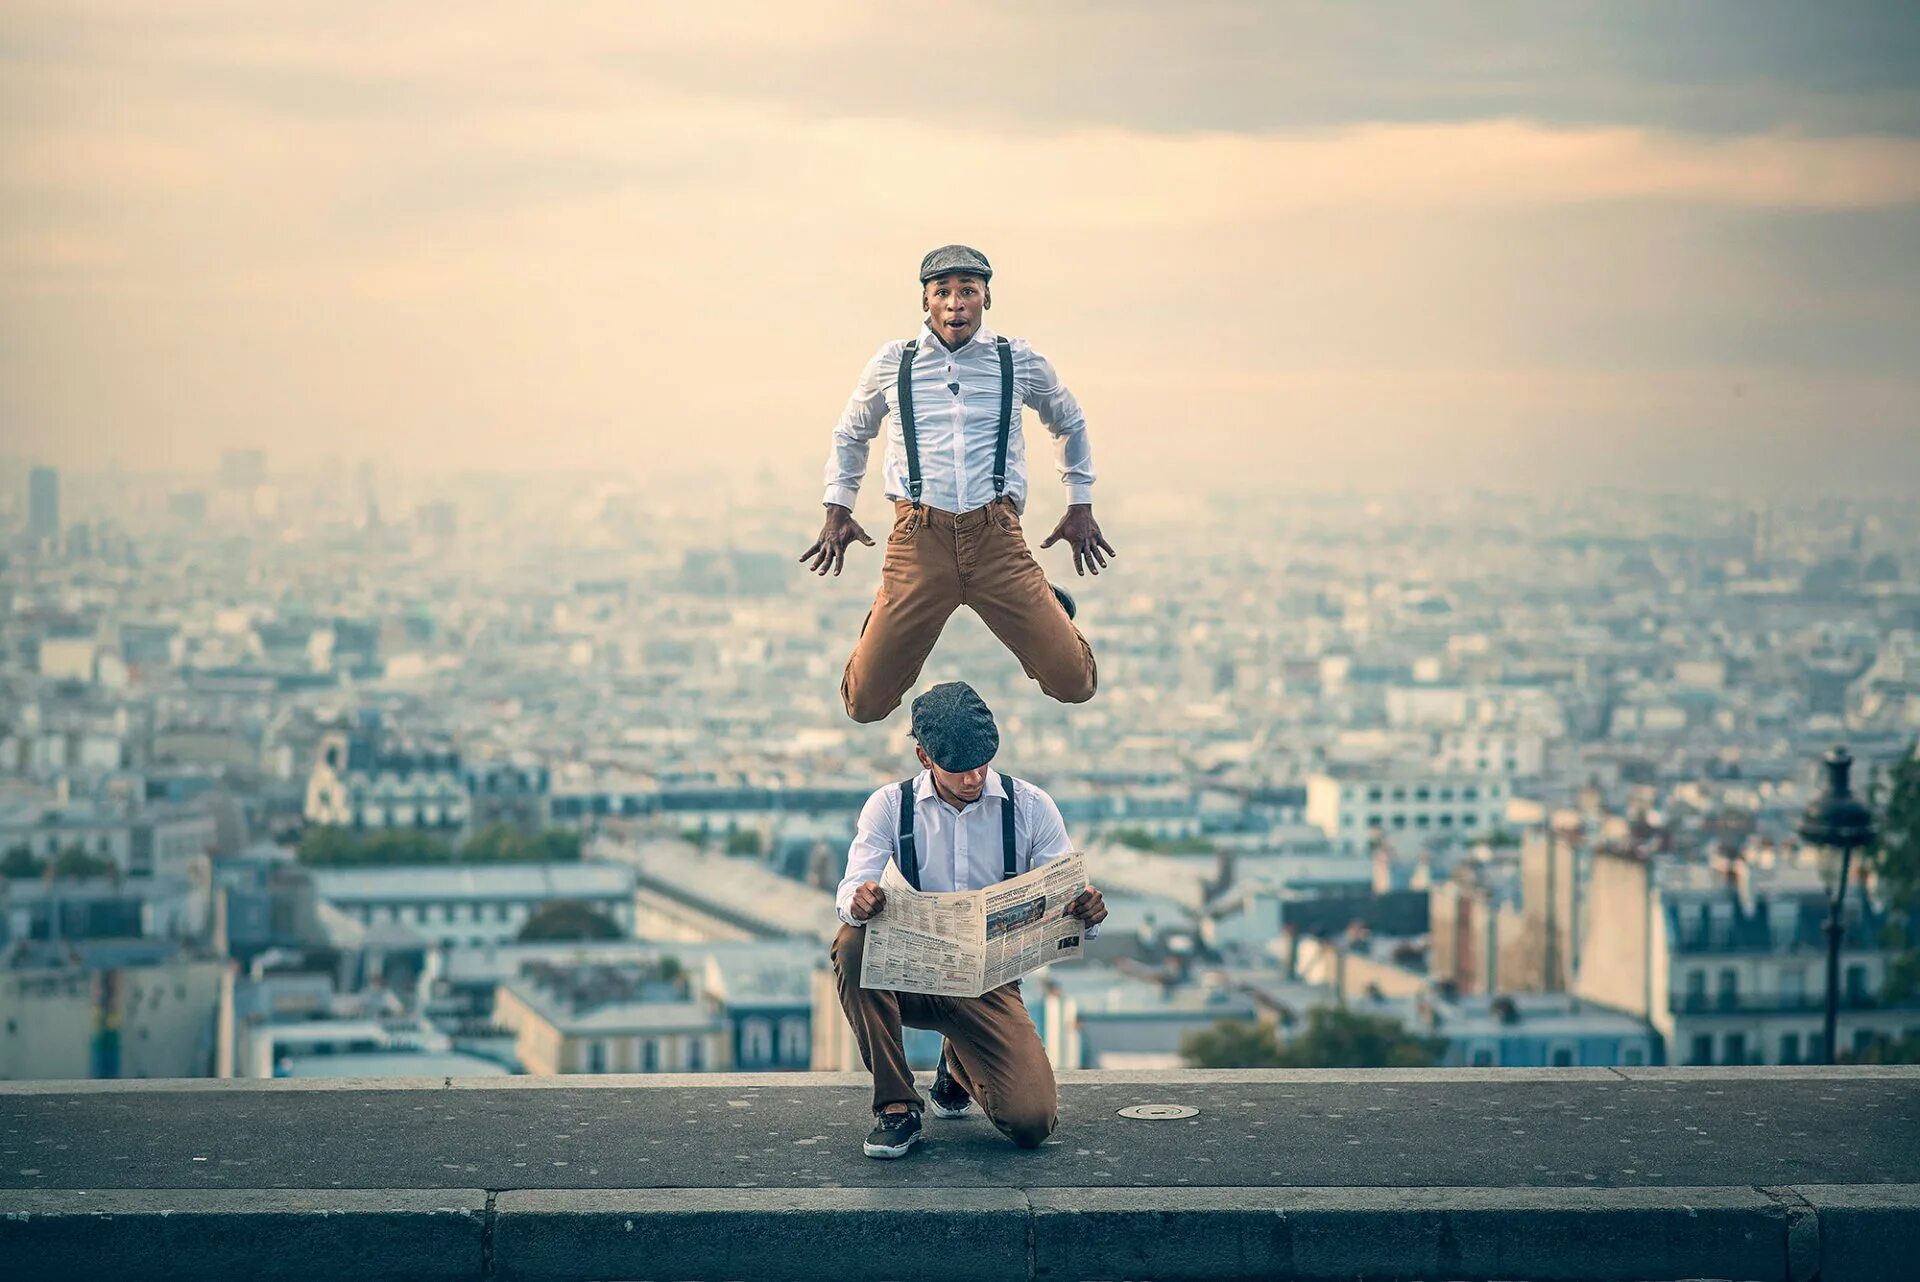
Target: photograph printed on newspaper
(965,943)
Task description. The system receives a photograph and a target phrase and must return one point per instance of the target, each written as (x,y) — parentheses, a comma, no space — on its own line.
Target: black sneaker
(1066,601)
(947,1097)
(893,1134)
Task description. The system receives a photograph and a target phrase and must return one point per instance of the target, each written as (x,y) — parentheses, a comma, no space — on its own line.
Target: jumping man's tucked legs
(919,589)
(1009,591)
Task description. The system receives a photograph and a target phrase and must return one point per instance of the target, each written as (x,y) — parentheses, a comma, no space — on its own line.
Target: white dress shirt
(956,849)
(958,429)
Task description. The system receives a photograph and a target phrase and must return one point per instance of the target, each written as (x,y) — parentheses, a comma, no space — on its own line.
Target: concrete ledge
(191,1235)
(1868,1232)
(780,1235)
(1837,1233)
(1190,1077)
(1542,1235)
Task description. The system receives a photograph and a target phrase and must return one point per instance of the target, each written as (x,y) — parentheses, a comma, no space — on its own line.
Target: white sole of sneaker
(962,1111)
(885,1151)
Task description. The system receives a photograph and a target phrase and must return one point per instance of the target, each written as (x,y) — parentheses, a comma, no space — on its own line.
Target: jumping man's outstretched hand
(829,551)
(1082,534)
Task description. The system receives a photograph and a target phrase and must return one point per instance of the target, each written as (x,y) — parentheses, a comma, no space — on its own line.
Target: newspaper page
(964,943)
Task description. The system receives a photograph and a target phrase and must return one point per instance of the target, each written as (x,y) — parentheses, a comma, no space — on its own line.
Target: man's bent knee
(847,951)
(1027,1128)
(863,703)
(1076,686)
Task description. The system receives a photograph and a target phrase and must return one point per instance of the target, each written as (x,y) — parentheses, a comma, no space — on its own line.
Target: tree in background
(1895,795)
(567,920)
(328,846)
(18,864)
(744,841)
(75,864)
(1334,1038)
(1232,1044)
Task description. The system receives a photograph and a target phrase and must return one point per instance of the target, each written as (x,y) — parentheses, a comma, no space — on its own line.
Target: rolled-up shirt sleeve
(874,838)
(859,423)
(1047,834)
(1049,398)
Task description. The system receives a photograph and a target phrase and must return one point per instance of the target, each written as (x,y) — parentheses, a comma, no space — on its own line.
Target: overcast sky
(1352,246)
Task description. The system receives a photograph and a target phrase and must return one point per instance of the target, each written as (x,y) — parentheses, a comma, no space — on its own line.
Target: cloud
(495,233)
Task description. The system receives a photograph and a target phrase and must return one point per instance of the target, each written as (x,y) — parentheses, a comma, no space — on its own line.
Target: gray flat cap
(955,258)
(955,727)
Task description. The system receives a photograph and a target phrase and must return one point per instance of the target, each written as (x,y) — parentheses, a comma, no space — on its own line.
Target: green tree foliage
(1141,839)
(19,864)
(1887,1050)
(744,841)
(1334,1038)
(1232,1044)
(1896,864)
(335,847)
(568,919)
(75,864)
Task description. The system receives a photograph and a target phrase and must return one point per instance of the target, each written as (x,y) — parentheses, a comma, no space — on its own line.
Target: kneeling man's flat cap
(949,259)
(955,727)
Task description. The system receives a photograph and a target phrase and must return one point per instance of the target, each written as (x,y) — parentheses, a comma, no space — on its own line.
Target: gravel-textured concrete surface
(1600,1132)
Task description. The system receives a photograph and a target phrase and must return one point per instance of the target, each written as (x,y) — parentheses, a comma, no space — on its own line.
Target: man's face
(962,786)
(954,305)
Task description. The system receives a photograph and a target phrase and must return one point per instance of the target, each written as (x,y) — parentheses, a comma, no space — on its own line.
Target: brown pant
(938,561)
(993,1049)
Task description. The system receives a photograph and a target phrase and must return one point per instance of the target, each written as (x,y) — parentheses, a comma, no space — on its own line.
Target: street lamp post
(1836,823)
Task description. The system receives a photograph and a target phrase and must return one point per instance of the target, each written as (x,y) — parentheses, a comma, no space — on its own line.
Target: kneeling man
(965,827)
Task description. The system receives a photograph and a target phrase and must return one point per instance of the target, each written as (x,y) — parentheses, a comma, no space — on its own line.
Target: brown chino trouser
(993,1049)
(937,561)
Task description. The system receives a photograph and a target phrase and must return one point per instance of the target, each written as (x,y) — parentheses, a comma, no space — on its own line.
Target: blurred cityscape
(332,772)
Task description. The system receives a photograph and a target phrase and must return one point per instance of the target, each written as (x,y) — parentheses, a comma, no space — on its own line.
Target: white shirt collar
(924,791)
(930,339)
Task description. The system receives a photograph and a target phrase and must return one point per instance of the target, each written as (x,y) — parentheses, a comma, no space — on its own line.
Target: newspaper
(965,943)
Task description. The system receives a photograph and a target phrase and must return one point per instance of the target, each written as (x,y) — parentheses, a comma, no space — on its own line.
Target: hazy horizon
(1313,246)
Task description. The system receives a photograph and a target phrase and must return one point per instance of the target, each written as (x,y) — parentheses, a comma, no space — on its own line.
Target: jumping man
(956,472)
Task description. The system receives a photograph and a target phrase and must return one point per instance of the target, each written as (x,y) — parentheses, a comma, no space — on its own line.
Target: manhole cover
(1158,1112)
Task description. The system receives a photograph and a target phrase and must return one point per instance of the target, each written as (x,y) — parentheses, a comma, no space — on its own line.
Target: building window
(1862,1039)
(1373,821)
(756,1040)
(1793,990)
(1790,1048)
(1696,990)
(1469,820)
(1470,794)
(1422,794)
(696,1054)
(1633,1057)
(1446,794)
(1399,821)
(1856,983)
(1702,1049)
(1373,794)
(596,1056)
(1482,1057)
(1562,1057)
(1736,1049)
(1445,821)
(1399,794)
(1422,820)
(795,1044)
(650,1056)
(1729,990)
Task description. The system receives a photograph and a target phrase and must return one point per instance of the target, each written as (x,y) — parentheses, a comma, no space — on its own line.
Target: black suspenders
(907,432)
(909,856)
